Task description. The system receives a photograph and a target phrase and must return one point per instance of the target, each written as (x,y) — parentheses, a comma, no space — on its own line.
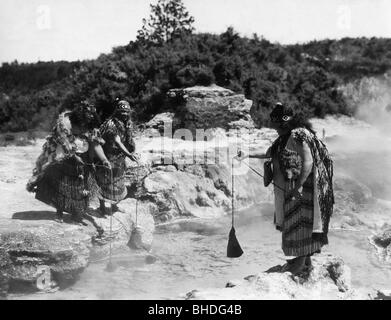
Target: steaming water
(192,255)
(361,150)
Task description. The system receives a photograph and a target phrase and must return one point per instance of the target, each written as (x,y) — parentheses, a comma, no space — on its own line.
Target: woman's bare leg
(102,207)
(92,220)
(298,265)
(60,216)
(308,261)
(114,207)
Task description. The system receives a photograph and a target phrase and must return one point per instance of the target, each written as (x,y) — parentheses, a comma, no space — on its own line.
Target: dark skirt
(66,186)
(111,183)
(297,236)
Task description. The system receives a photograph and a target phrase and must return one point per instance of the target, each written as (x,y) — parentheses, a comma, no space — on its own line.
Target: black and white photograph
(191,150)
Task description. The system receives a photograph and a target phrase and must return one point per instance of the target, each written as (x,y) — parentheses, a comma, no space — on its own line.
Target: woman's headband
(123,105)
(281,113)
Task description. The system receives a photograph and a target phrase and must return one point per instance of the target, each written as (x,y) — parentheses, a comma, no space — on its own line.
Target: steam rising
(362,145)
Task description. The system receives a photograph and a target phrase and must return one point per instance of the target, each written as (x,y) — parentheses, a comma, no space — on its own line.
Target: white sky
(32,30)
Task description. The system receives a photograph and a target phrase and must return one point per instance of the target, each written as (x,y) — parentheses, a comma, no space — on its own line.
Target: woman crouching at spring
(62,178)
(303,192)
(117,133)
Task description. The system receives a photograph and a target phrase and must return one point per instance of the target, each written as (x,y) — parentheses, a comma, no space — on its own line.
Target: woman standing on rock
(117,133)
(302,177)
(61,178)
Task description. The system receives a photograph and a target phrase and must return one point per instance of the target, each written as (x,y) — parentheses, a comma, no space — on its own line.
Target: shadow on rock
(34,215)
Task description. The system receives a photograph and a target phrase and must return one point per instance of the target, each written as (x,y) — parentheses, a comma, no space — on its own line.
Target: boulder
(195,180)
(44,254)
(202,191)
(32,250)
(211,107)
(159,122)
(328,279)
(382,244)
(135,173)
(179,193)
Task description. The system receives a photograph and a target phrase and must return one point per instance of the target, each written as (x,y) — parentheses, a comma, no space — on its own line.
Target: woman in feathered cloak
(62,178)
(303,188)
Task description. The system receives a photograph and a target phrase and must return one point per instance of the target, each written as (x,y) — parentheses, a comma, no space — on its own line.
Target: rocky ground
(382,243)
(329,278)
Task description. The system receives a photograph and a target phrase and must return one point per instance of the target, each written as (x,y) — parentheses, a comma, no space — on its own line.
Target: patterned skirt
(297,236)
(66,186)
(111,183)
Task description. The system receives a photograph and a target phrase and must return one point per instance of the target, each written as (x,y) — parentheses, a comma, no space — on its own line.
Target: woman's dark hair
(85,116)
(292,121)
(300,121)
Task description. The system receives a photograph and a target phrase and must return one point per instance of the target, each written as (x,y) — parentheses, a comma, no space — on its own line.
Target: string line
(256,172)
(233,191)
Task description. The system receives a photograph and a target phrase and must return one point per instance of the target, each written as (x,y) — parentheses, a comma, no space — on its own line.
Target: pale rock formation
(329,279)
(159,122)
(28,246)
(211,107)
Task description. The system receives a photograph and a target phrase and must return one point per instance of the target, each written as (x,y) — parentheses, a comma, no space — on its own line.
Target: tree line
(168,54)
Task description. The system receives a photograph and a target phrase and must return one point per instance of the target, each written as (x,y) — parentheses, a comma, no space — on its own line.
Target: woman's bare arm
(119,143)
(259,155)
(98,151)
(254,154)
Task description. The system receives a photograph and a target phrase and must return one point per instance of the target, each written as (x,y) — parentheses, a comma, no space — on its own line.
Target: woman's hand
(134,157)
(241,155)
(79,160)
(107,164)
(98,150)
(31,186)
(294,194)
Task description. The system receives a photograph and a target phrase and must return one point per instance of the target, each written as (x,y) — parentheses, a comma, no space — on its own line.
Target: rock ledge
(329,279)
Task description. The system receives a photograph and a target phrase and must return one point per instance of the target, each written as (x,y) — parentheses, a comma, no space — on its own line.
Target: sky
(45,30)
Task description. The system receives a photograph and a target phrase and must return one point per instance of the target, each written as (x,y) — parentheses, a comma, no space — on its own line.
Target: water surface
(192,255)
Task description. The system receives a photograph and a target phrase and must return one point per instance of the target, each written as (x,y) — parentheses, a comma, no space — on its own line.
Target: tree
(168,19)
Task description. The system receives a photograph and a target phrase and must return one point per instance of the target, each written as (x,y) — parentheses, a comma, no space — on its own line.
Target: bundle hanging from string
(233,248)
